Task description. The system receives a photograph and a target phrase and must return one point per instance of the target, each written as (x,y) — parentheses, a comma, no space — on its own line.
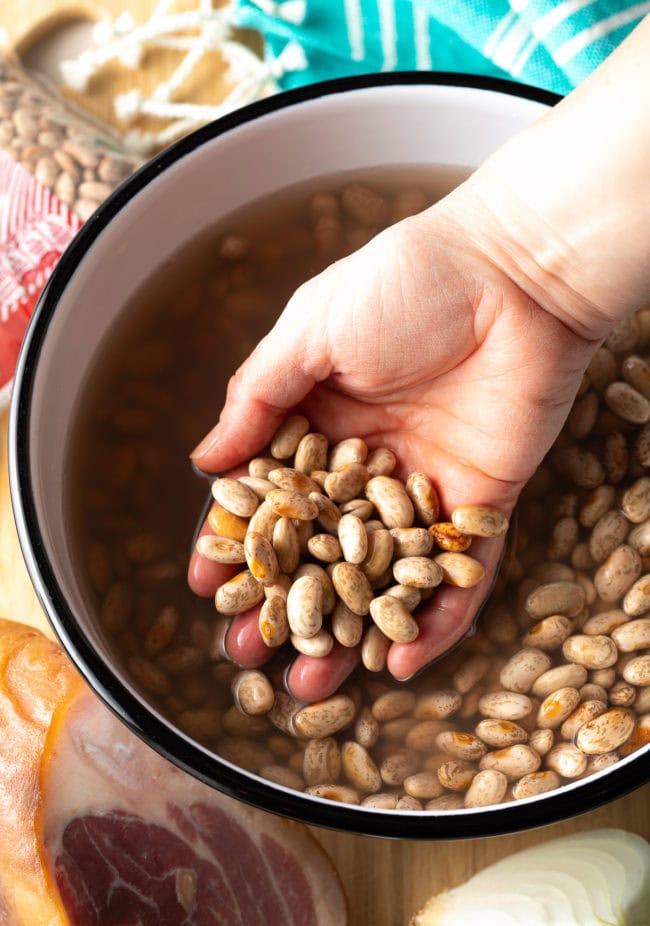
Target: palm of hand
(435,354)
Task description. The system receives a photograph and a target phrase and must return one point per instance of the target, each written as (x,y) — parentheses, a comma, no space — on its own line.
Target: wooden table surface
(386,881)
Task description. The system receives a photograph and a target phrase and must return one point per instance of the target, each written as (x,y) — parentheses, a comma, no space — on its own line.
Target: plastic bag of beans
(56,167)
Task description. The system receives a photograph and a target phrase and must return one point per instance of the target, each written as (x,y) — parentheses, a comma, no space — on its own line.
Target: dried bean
(461,745)
(324,718)
(622,694)
(239,594)
(288,504)
(548,634)
(361,507)
(522,669)
(220,549)
(328,515)
(564,537)
(582,467)
(350,450)
(460,570)
(479,520)
(541,741)
(374,649)
(424,497)
(636,501)
(535,783)
(359,768)
(253,692)
(500,733)
(286,546)
(506,705)
(383,800)
(273,621)
(470,673)
(411,541)
(407,594)
(556,707)
(418,571)
(321,761)
(596,504)
(260,467)
(637,671)
(353,587)
(457,775)
(317,572)
(391,501)
(353,538)
(393,619)
(381,462)
(637,599)
(346,484)
(566,676)
(586,711)
(305,606)
(437,705)
(261,558)
(379,553)
(608,533)
(632,636)
(605,732)
(262,522)
(513,761)
(393,704)
(627,403)
(311,453)
(593,652)
(317,646)
(366,728)
(286,439)
(423,785)
(488,787)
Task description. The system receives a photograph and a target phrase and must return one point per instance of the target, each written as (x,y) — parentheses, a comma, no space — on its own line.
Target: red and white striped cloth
(35,229)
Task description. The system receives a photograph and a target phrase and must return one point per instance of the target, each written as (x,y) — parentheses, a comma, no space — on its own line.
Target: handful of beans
(334,547)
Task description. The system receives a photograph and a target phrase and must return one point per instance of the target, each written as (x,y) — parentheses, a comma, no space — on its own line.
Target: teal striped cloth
(551,44)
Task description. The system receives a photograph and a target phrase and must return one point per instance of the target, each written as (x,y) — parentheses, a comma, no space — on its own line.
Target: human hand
(420,343)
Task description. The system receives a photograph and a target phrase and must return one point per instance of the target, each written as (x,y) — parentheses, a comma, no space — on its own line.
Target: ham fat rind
(99,830)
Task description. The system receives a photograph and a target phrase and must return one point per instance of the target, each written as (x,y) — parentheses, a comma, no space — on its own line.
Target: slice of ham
(96,829)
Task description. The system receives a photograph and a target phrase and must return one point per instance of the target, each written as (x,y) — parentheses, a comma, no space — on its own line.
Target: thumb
(279,373)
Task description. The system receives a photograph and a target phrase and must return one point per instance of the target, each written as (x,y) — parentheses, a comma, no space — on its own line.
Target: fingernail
(206,445)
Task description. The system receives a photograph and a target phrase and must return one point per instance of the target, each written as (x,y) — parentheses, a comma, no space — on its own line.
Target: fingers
(203,576)
(311,679)
(308,679)
(276,377)
(447,618)
(244,644)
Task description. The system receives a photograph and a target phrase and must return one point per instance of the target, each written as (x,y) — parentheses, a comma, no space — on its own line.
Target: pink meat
(130,840)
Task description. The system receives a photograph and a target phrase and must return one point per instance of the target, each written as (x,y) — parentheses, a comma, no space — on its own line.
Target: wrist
(563,208)
(555,264)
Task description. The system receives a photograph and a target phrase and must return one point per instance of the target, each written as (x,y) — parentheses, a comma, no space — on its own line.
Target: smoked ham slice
(96,829)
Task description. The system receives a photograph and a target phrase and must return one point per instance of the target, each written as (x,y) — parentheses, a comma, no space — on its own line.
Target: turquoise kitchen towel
(551,44)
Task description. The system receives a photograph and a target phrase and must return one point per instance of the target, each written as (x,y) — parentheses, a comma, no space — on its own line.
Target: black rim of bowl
(552,807)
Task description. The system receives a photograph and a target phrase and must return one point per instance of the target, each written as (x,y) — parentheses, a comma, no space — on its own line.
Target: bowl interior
(372,127)
(201,180)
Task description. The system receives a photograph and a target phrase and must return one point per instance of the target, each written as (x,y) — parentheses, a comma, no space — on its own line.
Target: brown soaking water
(534,699)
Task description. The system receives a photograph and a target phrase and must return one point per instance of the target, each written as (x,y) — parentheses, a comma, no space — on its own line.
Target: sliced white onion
(595,878)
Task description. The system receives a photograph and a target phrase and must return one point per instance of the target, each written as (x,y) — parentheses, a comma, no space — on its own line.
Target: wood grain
(386,881)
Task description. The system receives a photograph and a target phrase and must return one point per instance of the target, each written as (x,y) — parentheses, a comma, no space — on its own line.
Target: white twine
(291,11)
(252,76)
(128,46)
